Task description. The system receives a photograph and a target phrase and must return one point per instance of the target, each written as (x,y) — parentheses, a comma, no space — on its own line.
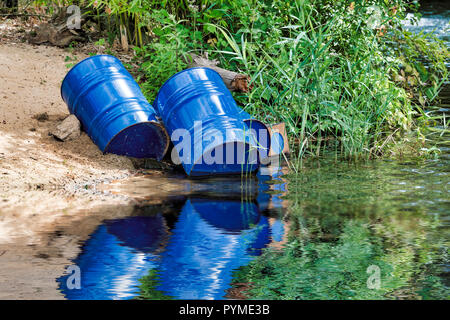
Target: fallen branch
(56,32)
(233,80)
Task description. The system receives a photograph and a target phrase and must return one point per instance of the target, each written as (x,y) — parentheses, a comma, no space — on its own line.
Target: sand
(49,200)
(37,172)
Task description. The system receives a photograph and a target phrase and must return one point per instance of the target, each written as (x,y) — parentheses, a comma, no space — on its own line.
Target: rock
(68,129)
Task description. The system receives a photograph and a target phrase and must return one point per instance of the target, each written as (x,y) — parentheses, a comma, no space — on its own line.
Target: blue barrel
(276,143)
(258,128)
(195,104)
(112,109)
(270,143)
(201,256)
(229,215)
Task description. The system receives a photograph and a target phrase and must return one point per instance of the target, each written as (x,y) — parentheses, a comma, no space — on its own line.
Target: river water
(185,246)
(351,221)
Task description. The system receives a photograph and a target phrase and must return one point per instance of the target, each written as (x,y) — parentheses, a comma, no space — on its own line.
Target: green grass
(317,66)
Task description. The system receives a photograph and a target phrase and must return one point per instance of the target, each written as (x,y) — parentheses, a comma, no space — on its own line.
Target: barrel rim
(80,62)
(178,73)
(280,136)
(156,123)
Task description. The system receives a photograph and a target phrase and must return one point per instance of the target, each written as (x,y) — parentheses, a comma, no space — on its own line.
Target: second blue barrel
(202,119)
(112,109)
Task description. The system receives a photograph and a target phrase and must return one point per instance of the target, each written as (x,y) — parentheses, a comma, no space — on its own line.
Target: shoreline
(33,165)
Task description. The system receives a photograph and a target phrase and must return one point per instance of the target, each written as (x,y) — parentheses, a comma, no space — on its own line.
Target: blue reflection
(277,231)
(110,266)
(271,188)
(194,259)
(202,254)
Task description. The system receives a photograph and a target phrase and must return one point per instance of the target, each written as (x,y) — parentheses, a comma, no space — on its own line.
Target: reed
(338,71)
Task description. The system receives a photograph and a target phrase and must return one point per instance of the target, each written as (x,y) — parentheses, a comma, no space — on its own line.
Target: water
(186,247)
(351,218)
(376,230)
(393,214)
(435,18)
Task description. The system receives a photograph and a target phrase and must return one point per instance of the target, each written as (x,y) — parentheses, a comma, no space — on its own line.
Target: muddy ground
(50,198)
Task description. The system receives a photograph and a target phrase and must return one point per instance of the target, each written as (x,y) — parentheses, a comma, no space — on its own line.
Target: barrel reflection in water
(209,241)
(115,257)
(194,259)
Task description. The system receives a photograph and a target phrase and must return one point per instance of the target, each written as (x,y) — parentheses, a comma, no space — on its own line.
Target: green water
(368,230)
(372,230)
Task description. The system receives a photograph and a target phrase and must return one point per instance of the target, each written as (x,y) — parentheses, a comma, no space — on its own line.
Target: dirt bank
(49,196)
(37,173)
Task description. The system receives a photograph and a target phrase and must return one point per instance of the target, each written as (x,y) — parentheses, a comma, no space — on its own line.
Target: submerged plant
(148,288)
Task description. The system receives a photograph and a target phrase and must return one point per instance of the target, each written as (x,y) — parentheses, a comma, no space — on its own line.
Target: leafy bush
(164,55)
(328,69)
(336,70)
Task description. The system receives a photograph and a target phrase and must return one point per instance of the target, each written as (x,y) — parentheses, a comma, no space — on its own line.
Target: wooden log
(57,31)
(58,35)
(233,80)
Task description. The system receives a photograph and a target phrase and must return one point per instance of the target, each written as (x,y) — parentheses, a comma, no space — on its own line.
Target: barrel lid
(147,139)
